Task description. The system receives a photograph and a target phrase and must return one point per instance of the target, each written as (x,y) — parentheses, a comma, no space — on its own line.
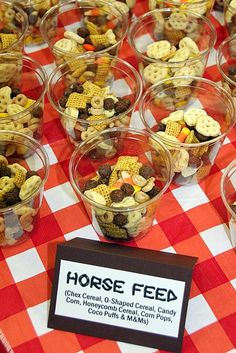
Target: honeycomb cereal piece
(19,178)
(172,128)
(79,71)
(93,121)
(158,50)
(29,187)
(178,20)
(105,191)
(113,231)
(7,39)
(183,71)
(90,89)
(77,100)
(134,168)
(188,43)
(180,55)
(76,64)
(155,72)
(14,108)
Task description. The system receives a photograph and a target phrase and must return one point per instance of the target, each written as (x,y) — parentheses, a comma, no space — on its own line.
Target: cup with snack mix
(121,175)
(23,174)
(13,28)
(79,26)
(201,7)
(34,10)
(226,64)
(23,83)
(192,116)
(171,42)
(94,92)
(228,194)
(230,16)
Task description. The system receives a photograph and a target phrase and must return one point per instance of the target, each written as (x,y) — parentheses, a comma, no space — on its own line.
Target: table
(200,229)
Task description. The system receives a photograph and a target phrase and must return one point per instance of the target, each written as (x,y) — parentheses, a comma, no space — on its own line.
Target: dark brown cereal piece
(76,87)
(3,204)
(62,101)
(153,192)
(37,112)
(108,104)
(201,137)
(117,195)
(4,171)
(83,32)
(15,92)
(120,219)
(103,181)
(128,189)
(122,105)
(90,184)
(12,197)
(30,173)
(104,170)
(146,171)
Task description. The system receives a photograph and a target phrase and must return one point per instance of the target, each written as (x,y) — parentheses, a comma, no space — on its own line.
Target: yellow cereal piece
(125,162)
(105,191)
(2,195)
(190,137)
(102,72)
(80,70)
(77,100)
(98,39)
(113,178)
(172,128)
(90,89)
(180,104)
(3,115)
(93,121)
(76,64)
(134,169)
(29,103)
(182,92)
(92,28)
(19,178)
(7,39)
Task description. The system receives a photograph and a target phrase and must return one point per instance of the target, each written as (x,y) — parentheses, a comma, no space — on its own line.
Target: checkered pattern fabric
(191,220)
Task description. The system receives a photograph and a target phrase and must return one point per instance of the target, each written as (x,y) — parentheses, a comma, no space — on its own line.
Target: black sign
(121,293)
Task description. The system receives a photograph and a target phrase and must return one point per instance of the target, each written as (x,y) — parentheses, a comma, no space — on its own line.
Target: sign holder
(121,293)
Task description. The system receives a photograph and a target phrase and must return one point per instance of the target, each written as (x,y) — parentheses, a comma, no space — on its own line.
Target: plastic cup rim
(222,182)
(219,54)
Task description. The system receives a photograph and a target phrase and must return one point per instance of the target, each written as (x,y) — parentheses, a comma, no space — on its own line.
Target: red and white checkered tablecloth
(200,229)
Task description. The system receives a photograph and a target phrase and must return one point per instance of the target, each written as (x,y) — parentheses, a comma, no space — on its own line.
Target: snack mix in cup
(22,88)
(120,176)
(192,116)
(230,16)
(23,174)
(226,63)
(171,42)
(92,28)
(13,28)
(92,93)
(228,194)
(34,10)
(201,7)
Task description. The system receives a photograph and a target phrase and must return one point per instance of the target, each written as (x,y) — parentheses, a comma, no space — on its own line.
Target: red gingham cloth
(200,229)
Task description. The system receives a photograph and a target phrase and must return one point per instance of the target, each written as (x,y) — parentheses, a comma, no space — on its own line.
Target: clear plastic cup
(119,77)
(23,83)
(192,160)
(34,10)
(228,194)
(106,149)
(73,15)
(230,16)
(226,64)
(18,217)
(13,28)
(203,7)
(157,26)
